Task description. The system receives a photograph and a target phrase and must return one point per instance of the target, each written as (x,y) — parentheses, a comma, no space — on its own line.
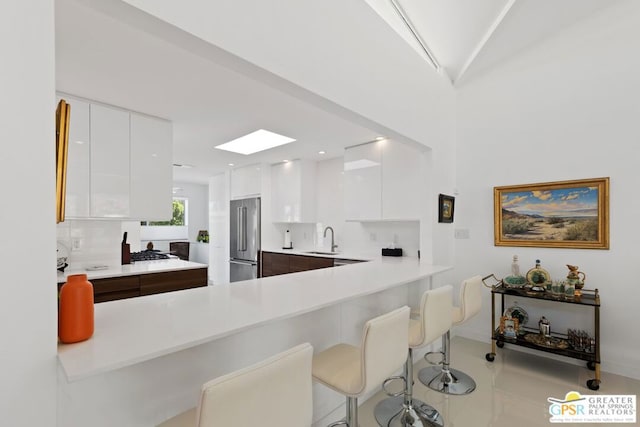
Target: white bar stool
(435,319)
(275,392)
(354,371)
(445,379)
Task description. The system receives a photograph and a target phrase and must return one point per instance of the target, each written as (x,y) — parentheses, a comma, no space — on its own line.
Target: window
(179,214)
(174,229)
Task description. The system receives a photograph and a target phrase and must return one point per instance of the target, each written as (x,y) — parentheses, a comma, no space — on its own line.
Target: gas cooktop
(148,255)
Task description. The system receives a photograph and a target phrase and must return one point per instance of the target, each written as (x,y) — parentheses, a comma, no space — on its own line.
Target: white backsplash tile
(91,242)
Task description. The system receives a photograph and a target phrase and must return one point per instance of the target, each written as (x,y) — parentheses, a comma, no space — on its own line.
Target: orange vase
(75,312)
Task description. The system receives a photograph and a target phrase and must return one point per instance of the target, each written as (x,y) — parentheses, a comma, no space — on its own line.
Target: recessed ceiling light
(180,165)
(321,152)
(254,142)
(380,138)
(286,161)
(230,164)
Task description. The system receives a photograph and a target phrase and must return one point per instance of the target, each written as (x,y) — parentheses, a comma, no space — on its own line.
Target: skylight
(254,142)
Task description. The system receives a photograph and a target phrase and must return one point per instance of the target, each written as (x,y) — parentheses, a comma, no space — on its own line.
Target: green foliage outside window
(179,214)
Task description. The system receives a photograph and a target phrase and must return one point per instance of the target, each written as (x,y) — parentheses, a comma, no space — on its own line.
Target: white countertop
(178,320)
(139,267)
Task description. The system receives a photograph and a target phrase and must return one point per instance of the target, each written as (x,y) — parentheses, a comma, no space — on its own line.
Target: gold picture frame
(509,327)
(564,214)
(446,205)
(63,112)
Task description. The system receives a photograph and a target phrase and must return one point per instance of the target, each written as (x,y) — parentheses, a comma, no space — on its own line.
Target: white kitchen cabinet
(401,182)
(382,182)
(293,195)
(78,173)
(151,168)
(119,163)
(110,173)
(246,182)
(363,182)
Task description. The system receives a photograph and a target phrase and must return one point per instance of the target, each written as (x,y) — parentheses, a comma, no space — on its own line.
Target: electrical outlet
(76,244)
(461,233)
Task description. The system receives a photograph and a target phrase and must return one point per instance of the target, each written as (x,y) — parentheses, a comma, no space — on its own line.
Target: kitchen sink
(321,253)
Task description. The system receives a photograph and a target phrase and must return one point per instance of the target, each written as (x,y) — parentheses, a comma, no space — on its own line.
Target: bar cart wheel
(593,384)
(500,343)
(490,357)
(591,366)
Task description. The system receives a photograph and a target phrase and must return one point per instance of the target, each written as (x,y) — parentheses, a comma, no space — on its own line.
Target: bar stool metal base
(392,412)
(448,382)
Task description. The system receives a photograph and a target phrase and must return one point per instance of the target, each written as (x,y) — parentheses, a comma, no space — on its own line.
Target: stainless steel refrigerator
(245,239)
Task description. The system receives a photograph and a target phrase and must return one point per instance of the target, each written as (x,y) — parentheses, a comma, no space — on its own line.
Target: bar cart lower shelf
(557,343)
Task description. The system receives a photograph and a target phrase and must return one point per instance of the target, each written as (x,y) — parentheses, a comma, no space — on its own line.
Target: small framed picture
(509,327)
(445,208)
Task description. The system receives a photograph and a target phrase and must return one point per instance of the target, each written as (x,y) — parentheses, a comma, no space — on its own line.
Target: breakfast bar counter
(204,332)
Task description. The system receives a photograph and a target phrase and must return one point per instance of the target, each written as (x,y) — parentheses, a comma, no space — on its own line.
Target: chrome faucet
(333,245)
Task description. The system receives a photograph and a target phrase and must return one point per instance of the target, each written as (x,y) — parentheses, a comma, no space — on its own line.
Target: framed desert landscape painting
(564,214)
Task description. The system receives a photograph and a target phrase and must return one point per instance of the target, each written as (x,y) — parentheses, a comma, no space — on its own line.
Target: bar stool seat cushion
(457,315)
(187,418)
(340,369)
(415,333)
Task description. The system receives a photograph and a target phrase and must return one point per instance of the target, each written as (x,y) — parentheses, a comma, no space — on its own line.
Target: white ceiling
(103,59)
(469,37)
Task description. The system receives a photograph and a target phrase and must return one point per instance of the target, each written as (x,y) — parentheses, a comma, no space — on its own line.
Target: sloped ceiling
(469,37)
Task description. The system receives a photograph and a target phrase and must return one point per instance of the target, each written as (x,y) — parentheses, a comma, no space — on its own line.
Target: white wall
(567,108)
(198,196)
(28,304)
(219,228)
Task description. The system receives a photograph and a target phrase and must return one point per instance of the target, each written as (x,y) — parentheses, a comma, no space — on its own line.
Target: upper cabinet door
(363,182)
(151,168)
(401,182)
(246,182)
(78,172)
(110,162)
(293,191)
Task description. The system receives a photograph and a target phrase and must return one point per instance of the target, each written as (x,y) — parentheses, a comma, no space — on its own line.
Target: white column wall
(28,324)
(565,109)
(219,189)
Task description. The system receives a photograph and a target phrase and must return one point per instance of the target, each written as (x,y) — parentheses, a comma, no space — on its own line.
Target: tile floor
(511,391)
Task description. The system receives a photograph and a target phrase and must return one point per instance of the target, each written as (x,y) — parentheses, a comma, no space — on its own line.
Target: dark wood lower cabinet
(274,263)
(115,288)
(156,283)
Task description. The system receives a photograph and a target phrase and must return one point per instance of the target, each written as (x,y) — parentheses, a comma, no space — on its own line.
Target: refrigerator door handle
(239,229)
(243,228)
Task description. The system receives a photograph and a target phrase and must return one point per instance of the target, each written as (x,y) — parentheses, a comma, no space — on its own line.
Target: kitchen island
(149,356)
